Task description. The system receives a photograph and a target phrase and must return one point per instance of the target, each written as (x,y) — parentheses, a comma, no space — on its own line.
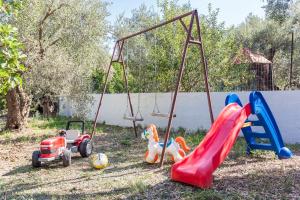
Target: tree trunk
(272,52)
(48,107)
(18,106)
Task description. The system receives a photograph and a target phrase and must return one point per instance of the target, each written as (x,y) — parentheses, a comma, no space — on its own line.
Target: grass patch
(211,194)
(6,134)
(195,138)
(40,128)
(293,147)
(126,142)
(138,187)
(128,177)
(206,195)
(50,123)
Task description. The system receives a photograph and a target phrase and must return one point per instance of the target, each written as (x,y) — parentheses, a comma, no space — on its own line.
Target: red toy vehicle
(61,147)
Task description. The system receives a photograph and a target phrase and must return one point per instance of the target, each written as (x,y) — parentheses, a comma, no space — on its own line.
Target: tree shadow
(71,196)
(166,189)
(244,161)
(270,183)
(57,164)
(267,184)
(28,186)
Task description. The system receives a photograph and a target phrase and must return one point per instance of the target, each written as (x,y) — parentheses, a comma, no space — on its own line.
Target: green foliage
(98,80)
(10,7)
(157,54)
(64,40)
(272,39)
(277,10)
(11,55)
(116,82)
(220,48)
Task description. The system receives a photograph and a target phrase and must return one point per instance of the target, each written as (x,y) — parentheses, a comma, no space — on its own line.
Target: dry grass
(260,176)
(2,123)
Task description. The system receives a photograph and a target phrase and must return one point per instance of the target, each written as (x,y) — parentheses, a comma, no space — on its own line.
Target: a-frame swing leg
(190,40)
(205,68)
(180,74)
(126,82)
(104,90)
(198,42)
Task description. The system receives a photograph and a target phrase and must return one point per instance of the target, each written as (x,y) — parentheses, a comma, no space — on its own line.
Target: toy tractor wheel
(35,159)
(66,157)
(85,148)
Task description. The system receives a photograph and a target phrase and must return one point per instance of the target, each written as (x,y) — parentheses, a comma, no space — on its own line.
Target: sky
(233,12)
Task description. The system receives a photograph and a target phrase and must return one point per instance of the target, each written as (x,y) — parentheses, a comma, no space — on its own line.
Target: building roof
(248,57)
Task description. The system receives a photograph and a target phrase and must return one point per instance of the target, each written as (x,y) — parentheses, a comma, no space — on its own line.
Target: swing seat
(159,114)
(136,119)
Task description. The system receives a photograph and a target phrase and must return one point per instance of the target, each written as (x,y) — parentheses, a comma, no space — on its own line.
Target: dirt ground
(261,176)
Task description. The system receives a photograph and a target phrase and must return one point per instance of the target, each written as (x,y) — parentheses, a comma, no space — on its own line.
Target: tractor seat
(72,135)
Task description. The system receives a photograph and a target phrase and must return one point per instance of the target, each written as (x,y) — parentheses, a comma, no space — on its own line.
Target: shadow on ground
(128,177)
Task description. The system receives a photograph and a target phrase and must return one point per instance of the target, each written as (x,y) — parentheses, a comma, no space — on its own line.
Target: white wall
(192,110)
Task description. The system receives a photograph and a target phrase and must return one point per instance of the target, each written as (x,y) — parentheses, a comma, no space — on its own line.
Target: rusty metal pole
(126,83)
(104,90)
(291,64)
(158,25)
(182,65)
(205,68)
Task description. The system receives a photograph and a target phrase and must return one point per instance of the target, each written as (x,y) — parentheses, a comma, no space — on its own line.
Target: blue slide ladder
(270,138)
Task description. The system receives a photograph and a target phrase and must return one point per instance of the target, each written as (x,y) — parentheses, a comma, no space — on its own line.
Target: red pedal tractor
(62,146)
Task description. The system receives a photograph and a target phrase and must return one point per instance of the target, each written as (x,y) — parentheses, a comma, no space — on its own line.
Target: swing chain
(127,113)
(138,115)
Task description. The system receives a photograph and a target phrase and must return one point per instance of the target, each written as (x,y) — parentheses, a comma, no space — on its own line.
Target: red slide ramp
(197,168)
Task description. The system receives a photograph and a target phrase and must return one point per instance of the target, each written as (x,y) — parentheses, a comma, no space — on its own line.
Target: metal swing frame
(190,40)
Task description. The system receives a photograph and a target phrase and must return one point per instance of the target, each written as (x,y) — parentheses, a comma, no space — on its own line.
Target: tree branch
(53,43)
(49,12)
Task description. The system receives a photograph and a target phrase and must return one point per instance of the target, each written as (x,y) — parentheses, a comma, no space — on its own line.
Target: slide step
(262,146)
(254,123)
(259,135)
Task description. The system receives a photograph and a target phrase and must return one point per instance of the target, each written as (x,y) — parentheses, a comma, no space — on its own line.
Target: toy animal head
(146,134)
(150,132)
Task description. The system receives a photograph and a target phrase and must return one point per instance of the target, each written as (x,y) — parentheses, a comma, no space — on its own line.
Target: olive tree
(64,42)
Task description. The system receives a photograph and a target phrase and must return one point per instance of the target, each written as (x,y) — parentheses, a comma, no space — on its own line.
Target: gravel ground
(260,176)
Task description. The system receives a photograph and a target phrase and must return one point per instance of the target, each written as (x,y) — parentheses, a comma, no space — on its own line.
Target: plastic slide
(197,168)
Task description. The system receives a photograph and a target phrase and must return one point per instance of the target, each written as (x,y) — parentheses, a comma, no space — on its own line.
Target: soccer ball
(99,160)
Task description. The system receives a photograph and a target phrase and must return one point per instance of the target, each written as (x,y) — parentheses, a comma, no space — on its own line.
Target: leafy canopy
(11,55)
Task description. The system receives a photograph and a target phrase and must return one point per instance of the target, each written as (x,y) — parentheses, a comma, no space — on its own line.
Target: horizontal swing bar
(157,26)
(158,114)
(194,42)
(117,61)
